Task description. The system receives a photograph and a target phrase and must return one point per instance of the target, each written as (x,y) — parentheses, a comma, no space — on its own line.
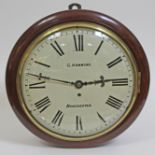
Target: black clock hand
(101,81)
(121,81)
(78,84)
(62,81)
(40,76)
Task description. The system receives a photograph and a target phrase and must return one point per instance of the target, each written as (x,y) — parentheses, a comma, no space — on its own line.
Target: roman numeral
(58,118)
(37,85)
(57,48)
(78,41)
(101,118)
(120,82)
(114,102)
(99,47)
(43,64)
(114,62)
(79,123)
(43,104)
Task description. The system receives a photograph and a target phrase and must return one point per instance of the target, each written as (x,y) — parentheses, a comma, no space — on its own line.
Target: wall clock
(77,78)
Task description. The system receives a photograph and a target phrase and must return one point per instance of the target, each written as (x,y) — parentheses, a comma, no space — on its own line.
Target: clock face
(77,81)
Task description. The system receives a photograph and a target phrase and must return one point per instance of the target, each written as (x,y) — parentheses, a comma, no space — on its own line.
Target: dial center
(79,84)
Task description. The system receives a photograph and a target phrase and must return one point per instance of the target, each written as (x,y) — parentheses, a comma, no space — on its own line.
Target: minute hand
(63,81)
(40,76)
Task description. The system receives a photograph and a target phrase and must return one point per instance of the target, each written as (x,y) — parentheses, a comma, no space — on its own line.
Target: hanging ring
(74,6)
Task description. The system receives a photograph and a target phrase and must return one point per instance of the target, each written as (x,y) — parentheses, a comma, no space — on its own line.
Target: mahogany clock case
(77,16)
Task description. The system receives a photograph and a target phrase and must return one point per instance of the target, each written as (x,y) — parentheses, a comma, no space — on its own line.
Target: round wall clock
(77,78)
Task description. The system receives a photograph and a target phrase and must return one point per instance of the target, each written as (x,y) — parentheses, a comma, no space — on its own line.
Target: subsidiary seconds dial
(71,77)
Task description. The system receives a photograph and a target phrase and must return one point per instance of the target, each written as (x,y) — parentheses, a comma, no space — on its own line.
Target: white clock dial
(78,82)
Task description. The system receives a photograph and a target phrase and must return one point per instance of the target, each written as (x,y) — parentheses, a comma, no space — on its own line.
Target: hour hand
(101,81)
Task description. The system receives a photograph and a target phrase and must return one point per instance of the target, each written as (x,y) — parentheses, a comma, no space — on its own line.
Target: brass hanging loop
(75,6)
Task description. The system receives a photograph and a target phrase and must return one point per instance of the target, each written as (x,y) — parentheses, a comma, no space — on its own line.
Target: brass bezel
(81,25)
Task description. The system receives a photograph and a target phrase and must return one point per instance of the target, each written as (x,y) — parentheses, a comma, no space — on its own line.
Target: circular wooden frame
(77,16)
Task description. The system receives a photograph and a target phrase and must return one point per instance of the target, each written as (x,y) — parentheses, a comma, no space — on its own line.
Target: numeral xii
(78,42)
